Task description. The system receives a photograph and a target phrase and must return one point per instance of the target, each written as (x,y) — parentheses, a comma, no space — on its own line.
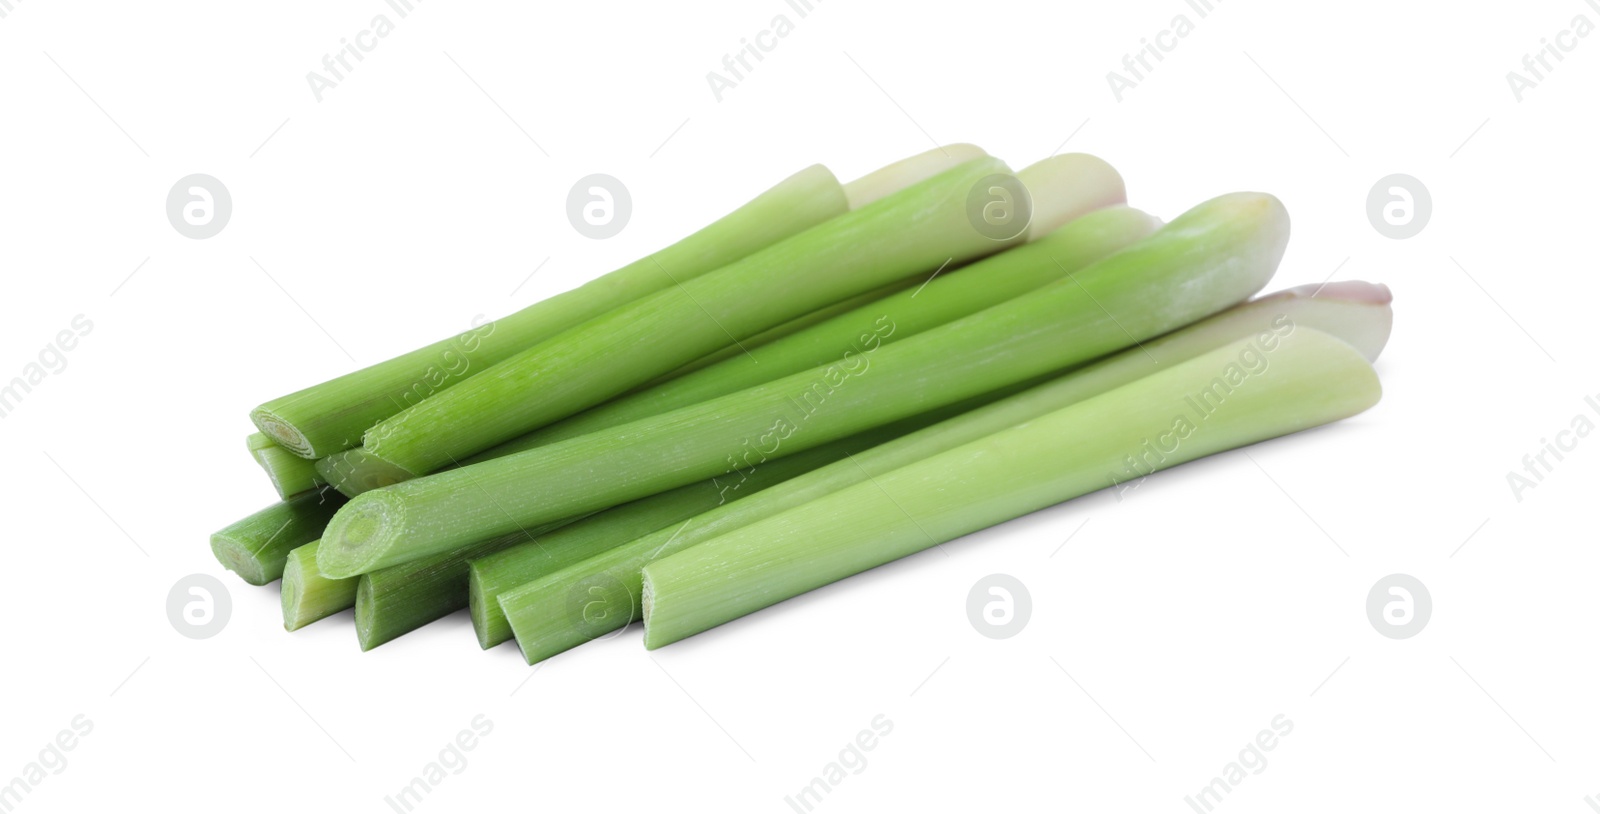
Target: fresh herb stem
(1245,393)
(329,417)
(911,231)
(290,474)
(257,547)
(1358,313)
(662,512)
(307,595)
(1208,259)
(941,300)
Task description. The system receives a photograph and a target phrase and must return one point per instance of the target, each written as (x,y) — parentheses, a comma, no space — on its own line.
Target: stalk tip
(1356,291)
(887,180)
(1068,186)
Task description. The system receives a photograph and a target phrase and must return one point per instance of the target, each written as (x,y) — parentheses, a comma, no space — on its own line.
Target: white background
(1171,627)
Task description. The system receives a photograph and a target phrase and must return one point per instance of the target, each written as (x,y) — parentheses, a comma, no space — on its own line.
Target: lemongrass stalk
(290,474)
(307,595)
(631,521)
(1208,259)
(395,601)
(538,612)
(892,178)
(1231,397)
(912,231)
(392,602)
(332,416)
(355,471)
(945,298)
(768,336)
(257,547)
(1077,184)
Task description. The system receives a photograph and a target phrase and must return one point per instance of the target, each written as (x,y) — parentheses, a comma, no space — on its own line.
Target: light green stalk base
(290,474)
(1230,397)
(307,595)
(537,612)
(257,547)
(333,416)
(1208,259)
(947,297)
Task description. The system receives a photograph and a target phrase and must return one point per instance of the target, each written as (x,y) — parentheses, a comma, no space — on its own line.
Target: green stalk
(257,547)
(892,178)
(768,336)
(392,602)
(290,474)
(1249,394)
(944,299)
(355,470)
(1211,257)
(912,231)
(1077,183)
(538,612)
(307,595)
(332,416)
(631,521)
(397,600)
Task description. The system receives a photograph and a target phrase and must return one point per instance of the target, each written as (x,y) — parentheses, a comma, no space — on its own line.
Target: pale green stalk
(257,547)
(290,474)
(538,612)
(631,521)
(946,298)
(1237,395)
(307,595)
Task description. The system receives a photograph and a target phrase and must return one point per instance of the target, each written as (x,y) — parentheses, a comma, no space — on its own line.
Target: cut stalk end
(282,433)
(360,535)
(289,599)
(479,604)
(364,615)
(236,556)
(307,595)
(647,603)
